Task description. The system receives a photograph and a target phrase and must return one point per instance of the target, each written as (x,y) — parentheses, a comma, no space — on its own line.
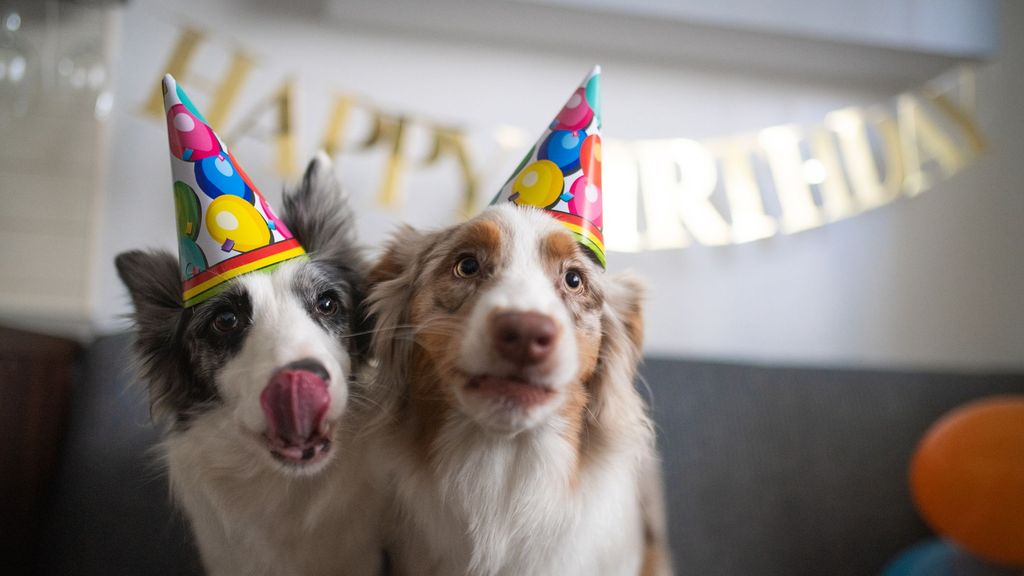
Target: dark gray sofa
(769,471)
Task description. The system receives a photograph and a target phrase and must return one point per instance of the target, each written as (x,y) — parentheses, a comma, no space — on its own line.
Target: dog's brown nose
(524,337)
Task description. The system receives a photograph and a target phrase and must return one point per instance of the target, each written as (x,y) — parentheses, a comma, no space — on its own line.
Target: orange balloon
(967,478)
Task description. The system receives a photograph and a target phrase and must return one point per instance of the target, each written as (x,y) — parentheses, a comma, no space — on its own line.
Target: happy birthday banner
(668,193)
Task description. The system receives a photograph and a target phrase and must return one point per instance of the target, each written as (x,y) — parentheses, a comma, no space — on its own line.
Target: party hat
(562,172)
(225,226)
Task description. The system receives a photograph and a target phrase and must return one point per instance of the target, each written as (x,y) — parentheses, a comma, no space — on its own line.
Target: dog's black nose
(309,365)
(525,338)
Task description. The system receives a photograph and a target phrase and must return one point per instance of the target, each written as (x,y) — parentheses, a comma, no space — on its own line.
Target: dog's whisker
(375,331)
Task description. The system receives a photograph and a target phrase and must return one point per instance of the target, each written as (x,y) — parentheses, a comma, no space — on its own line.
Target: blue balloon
(940,558)
(563,147)
(216,175)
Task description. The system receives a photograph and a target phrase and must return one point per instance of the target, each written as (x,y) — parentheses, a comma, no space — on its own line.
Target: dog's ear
(625,296)
(319,214)
(616,406)
(401,252)
(155,287)
(391,282)
(153,283)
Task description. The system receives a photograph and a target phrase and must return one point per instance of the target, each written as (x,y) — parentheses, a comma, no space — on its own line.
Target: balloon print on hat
(190,138)
(586,192)
(565,179)
(539,184)
(236,224)
(216,175)
(211,189)
(273,222)
(586,201)
(188,103)
(191,259)
(241,171)
(576,114)
(594,96)
(563,148)
(522,164)
(590,158)
(188,212)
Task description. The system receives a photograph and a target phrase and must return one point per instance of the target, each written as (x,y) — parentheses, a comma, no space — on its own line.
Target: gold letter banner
(667,193)
(789,178)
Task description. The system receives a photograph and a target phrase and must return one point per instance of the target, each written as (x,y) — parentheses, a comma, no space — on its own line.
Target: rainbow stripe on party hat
(562,172)
(225,226)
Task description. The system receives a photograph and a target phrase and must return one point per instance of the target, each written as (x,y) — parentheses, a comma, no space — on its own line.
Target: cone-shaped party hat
(562,172)
(225,226)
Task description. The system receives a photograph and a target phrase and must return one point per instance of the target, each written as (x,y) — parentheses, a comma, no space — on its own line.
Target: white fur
(504,506)
(509,502)
(251,515)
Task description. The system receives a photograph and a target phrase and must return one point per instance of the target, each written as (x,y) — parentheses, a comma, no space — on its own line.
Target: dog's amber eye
(573,281)
(327,305)
(226,321)
(467,267)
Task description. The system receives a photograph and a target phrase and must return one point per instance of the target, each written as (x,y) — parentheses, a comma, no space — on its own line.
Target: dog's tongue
(294,403)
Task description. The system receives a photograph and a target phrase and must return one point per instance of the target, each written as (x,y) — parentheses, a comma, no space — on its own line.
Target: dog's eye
(327,305)
(573,281)
(226,321)
(467,267)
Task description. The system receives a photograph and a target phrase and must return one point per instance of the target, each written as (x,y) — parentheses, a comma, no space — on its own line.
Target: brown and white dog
(512,432)
(256,385)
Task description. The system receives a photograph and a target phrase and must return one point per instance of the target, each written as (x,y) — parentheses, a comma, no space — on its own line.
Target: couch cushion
(782,471)
(769,471)
(111,512)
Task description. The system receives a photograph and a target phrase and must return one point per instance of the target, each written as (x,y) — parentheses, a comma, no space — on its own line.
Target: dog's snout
(309,365)
(295,402)
(525,338)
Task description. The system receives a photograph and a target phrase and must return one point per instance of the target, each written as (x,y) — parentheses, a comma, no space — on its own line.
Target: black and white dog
(257,387)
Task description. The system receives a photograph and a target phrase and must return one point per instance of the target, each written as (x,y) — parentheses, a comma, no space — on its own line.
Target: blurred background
(824,197)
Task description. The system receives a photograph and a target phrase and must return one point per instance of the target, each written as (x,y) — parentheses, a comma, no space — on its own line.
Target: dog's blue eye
(327,305)
(573,280)
(226,321)
(467,267)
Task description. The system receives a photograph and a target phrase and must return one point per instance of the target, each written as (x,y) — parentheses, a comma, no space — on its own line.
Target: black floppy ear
(319,214)
(155,287)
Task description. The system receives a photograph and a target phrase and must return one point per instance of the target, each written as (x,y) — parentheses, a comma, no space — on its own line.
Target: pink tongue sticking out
(294,403)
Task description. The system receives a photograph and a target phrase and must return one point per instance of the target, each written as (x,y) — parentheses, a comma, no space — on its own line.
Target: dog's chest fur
(497,506)
(250,519)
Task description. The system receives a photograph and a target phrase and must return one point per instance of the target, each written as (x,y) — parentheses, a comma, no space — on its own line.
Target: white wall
(935,281)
